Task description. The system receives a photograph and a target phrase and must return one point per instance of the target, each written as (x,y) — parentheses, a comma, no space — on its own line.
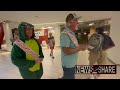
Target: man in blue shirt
(69,51)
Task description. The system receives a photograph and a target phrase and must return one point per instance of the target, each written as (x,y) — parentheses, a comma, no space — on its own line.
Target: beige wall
(114,53)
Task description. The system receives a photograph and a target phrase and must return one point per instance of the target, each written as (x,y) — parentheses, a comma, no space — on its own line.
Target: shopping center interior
(46,22)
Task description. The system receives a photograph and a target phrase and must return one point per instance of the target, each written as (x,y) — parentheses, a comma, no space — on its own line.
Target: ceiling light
(49,27)
(4,21)
(80,21)
(91,24)
(37,16)
(43,28)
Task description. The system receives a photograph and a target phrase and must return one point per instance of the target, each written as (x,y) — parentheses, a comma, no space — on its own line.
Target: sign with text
(98,69)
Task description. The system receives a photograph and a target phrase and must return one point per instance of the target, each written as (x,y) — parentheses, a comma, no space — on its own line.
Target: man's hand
(68,51)
(84,47)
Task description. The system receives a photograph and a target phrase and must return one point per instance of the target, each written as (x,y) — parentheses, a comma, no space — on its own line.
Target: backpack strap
(102,40)
(100,43)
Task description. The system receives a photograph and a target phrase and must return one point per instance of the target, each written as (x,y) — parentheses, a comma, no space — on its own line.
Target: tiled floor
(52,67)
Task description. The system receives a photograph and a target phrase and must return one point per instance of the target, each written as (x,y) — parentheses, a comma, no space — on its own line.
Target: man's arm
(69,51)
(65,42)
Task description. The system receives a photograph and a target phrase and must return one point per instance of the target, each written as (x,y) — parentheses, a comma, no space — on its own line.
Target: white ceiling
(39,17)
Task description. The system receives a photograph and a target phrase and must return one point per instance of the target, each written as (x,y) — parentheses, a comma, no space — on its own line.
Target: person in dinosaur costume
(29,67)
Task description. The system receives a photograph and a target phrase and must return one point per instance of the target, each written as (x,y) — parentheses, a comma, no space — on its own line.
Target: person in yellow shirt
(29,67)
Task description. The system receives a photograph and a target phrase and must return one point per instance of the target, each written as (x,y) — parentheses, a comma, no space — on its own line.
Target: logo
(98,69)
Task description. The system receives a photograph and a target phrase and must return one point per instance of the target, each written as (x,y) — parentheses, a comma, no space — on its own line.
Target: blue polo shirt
(68,61)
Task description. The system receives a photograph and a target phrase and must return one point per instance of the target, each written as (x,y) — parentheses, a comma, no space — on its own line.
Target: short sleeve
(64,40)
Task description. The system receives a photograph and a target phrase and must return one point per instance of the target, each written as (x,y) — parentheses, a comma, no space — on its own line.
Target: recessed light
(91,24)
(37,16)
(4,21)
(80,21)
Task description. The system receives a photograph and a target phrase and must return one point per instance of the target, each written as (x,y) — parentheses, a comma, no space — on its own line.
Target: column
(7,32)
(57,35)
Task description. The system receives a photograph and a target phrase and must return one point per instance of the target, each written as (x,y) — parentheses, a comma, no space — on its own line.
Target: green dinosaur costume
(26,64)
